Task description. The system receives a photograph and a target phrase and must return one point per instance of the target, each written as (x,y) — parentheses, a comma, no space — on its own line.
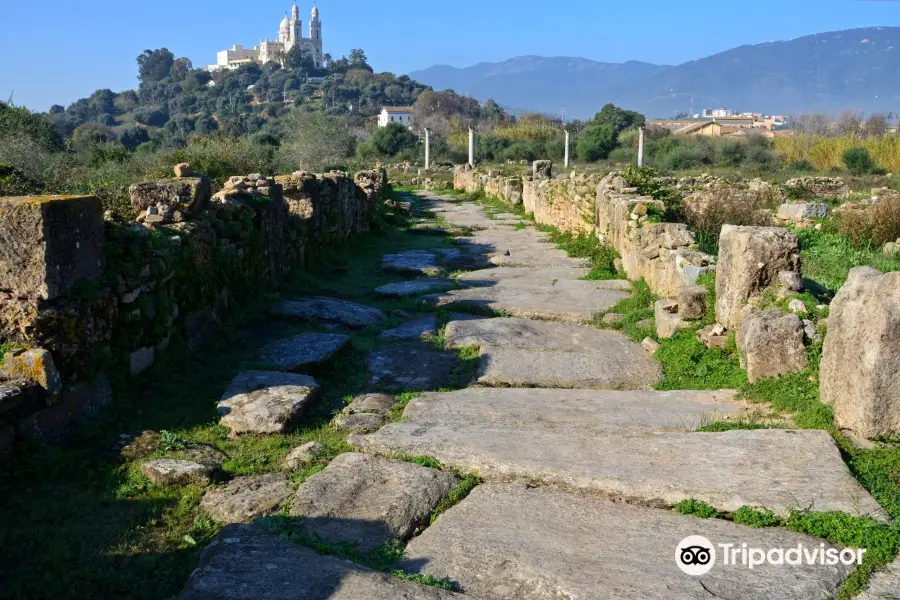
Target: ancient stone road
(581,459)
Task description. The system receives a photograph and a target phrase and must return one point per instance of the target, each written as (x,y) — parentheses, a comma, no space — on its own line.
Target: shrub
(858,161)
(689,156)
(875,225)
(721,206)
(595,143)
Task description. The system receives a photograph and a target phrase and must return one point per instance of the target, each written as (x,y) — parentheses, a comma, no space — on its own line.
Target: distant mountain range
(855,68)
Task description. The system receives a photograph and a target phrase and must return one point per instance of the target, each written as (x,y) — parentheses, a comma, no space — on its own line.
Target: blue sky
(56,52)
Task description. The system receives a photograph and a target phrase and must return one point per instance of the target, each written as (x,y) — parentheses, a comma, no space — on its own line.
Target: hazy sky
(56,52)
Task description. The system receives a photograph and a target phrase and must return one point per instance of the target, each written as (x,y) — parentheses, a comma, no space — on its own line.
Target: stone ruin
(83,292)
(859,374)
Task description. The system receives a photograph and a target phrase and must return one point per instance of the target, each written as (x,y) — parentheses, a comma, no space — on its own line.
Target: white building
(395,114)
(290,35)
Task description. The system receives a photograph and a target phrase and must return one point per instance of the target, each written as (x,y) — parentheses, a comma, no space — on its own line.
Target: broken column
(49,243)
(750,260)
(860,369)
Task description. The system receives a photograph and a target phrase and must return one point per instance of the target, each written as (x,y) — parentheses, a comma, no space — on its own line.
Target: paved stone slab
(524,352)
(409,366)
(547,275)
(778,469)
(592,412)
(378,404)
(416,329)
(567,301)
(245,498)
(266,401)
(884,585)
(168,471)
(246,563)
(414,261)
(367,500)
(300,352)
(360,422)
(509,542)
(330,309)
(405,289)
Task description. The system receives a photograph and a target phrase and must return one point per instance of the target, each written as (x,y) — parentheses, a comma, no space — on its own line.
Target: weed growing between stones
(697,508)
(602,256)
(466,485)
(754,516)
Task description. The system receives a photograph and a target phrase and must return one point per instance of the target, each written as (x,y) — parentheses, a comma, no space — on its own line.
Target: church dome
(315,12)
(285,24)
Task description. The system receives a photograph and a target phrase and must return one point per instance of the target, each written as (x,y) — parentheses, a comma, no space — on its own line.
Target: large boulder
(771,344)
(750,260)
(860,371)
(186,195)
(49,243)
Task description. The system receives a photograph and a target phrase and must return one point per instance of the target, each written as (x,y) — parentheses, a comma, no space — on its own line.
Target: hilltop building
(395,114)
(290,35)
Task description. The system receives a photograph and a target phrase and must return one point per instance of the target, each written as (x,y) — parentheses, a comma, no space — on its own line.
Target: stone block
(187,195)
(860,371)
(802,211)
(692,302)
(19,398)
(167,471)
(76,402)
(750,260)
(49,243)
(243,499)
(542,169)
(667,320)
(771,344)
(713,336)
(141,359)
(35,365)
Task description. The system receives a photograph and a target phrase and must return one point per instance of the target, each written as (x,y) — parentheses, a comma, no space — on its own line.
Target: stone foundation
(88,294)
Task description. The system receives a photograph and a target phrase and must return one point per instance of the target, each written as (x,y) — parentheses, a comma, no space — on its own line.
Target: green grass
(88,526)
(828,257)
(754,516)
(697,508)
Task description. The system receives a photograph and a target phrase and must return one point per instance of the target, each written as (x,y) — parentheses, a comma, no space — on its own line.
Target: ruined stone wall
(85,293)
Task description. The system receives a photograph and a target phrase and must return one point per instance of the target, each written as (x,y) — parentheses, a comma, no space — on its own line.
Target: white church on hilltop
(290,35)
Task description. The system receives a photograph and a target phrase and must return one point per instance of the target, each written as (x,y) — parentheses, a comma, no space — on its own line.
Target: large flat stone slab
(591,412)
(509,542)
(525,352)
(245,498)
(367,500)
(266,401)
(300,352)
(410,366)
(779,469)
(568,301)
(246,563)
(883,585)
(419,262)
(419,328)
(404,289)
(548,275)
(333,310)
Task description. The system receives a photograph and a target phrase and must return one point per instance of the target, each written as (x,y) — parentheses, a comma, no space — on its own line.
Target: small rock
(416,329)
(791,281)
(246,498)
(692,302)
(167,471)
(255,177)
(610,318)
(302,351)
(301,455)
(184,170)
(141,359)
(811,331)
(797,307)
(644,324)
(651,345)
(667,320)
(713,336)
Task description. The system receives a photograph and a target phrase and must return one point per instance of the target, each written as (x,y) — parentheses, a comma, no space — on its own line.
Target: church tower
(315,34)
(296,26)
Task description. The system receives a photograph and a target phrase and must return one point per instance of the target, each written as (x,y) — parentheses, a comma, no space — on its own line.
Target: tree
(850,122)
(596,142)
(299,59)
(315,141)
(358,58)
(391,140)
(155,65)
(876,124)
(133,137)
(181,68)
(19,122)
(619,118)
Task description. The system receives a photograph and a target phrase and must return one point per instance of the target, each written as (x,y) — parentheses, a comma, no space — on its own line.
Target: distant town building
(395,114)
(290,36)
